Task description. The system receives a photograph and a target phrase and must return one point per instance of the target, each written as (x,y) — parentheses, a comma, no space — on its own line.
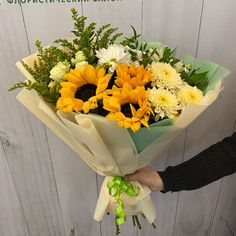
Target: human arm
(208,166)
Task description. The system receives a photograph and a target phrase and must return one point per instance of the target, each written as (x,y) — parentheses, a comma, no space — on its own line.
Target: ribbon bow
(116,187)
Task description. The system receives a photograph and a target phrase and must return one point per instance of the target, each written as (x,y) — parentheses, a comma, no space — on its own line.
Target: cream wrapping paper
(106,148)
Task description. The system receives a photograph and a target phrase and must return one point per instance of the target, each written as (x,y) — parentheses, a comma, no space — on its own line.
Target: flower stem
(154,226)
(138,223)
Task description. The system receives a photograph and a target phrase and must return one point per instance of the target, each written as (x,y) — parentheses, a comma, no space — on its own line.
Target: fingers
(132,177)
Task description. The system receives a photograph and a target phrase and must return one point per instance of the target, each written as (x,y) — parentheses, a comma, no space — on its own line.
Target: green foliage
(88,39)
(42,89)
(168,56)
(133,41)
(136,46)
(200,80)
(47,58)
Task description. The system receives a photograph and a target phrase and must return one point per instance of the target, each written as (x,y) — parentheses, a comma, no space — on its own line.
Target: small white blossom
(113,55)
(179,66)
(59,70)
(79,57)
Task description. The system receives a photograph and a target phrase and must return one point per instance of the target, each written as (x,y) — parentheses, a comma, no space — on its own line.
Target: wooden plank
(119,14)
(225,216)
(56,21)
(160,24)
(76,183)
(166,203)
(175,23)
(196,209)
(12,221)
(25,142)
(77,188)
(104,13)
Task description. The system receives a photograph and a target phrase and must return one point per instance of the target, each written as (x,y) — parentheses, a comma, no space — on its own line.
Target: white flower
(165,103)
(79,57)
(81,64)
(113,55)
(180,67)
(165,76)
(59,70)
(188,94)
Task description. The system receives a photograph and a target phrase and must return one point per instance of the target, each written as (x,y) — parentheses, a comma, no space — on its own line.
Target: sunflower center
(85,92)
(125,109)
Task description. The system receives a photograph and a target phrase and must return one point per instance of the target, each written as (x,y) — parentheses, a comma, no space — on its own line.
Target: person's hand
(147,176)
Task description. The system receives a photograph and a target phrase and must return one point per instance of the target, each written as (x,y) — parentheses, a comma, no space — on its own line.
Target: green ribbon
(116,187)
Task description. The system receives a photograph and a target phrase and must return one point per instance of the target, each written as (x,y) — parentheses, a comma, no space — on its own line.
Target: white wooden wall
(45,189)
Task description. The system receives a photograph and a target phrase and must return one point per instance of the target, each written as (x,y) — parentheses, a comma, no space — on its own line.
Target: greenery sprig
(88,38)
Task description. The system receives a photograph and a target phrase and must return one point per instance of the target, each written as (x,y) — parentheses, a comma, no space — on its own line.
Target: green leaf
(200,80)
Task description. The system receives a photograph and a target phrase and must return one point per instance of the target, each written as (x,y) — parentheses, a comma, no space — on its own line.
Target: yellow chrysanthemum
(83,88)
(165,103)
(165,76)
(188,94)
(128,106)
(135,76)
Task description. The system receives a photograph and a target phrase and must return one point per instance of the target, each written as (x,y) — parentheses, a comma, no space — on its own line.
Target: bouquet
(118,103)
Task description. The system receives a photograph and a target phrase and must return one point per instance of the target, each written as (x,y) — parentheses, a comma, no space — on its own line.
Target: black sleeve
(208,166)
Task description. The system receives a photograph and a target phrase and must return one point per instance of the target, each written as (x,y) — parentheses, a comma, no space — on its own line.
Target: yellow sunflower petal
(135,126)
(102,83)
(90,74)
(111,104)
(100,72)
(65,92)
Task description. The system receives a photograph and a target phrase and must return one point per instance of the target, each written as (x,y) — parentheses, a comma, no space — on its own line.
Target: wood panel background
(45,189)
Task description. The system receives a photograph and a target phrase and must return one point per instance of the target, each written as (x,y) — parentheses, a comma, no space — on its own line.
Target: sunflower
(128,106)
(83,88)
(134,75)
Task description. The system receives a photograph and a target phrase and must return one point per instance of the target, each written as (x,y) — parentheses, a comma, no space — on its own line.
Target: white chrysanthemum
(188,94)
(165,76)
(165,103)
(59,70)
(113,55)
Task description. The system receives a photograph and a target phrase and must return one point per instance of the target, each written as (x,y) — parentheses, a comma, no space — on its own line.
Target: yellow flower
(135,76)
(165,76)
(83,88)
(128,107)
(188,94)
(165,103)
